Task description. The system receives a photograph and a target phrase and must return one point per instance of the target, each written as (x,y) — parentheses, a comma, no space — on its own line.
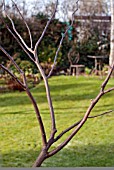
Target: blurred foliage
(48,47)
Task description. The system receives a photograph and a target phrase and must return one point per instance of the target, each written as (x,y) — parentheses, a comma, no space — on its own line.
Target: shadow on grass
(60,92)
(18,112)
(71,156)
(76,85)
(58,110)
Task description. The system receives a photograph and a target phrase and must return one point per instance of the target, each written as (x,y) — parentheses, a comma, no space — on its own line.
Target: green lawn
(20,141)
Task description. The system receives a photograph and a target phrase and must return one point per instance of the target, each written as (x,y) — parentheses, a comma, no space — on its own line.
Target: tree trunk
(40,159)
(111,59)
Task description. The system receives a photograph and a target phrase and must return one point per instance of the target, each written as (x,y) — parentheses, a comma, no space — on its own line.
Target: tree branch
(109,90)
(25,24)
(101,114)
(11,58)
(107,78)
(66,130)
(43,134)
(61,41)
(42,129)
(21,39)
(16,38)
(77,123)
(13,25)
(48,23)
(53,129)
(13,76)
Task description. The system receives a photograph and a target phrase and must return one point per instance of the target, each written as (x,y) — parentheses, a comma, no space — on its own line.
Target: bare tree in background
(32,53)
(11,9)
(42,6)
(91,9)
(67,8)
(86,7)
(37,6)
(94,7)
(111,59)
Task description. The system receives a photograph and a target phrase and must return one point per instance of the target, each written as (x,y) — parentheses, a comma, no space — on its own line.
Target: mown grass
(20,140)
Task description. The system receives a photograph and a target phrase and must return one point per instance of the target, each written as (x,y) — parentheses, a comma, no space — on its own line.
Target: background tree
(95,7)
(91,9)
(111,59)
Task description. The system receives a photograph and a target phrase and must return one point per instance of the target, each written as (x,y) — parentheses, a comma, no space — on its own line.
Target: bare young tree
(33,55)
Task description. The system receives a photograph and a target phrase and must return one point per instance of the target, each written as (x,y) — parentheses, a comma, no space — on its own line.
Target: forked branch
(29,32)
(15,30)
(80,123)
(13,76)
(77,123)
(47,25)
(16,38)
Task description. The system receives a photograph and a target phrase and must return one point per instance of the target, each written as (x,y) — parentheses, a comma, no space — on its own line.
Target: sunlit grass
(20,140)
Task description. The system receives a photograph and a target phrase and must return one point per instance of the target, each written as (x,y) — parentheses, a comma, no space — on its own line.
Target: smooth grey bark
(111,58)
